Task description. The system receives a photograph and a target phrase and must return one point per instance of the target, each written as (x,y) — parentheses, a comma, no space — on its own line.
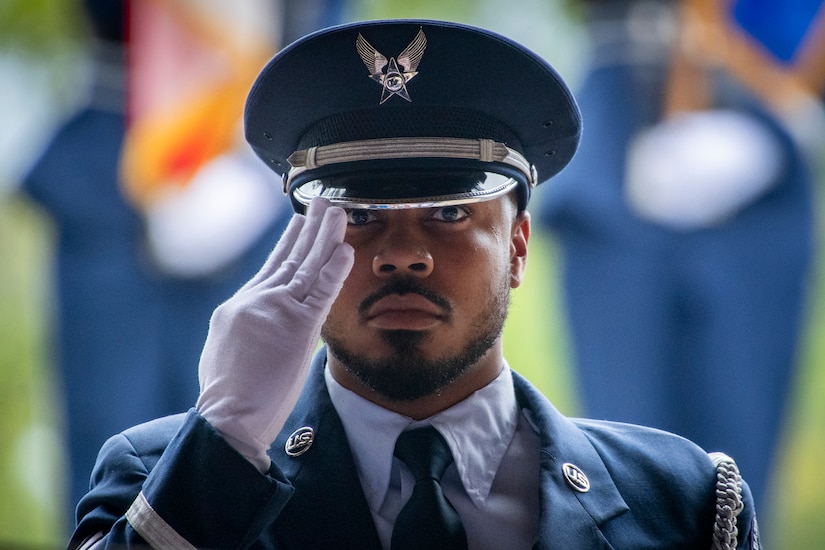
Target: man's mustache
(402,286)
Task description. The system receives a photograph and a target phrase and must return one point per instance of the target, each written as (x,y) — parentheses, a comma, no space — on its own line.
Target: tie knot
(425,452)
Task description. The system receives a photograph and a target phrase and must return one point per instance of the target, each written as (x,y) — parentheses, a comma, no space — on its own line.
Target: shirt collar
(478,431)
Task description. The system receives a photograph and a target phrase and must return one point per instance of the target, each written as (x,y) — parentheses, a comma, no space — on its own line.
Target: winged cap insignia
(393,80)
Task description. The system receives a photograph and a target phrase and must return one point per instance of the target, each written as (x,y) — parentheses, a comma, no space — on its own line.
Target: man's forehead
(402,95)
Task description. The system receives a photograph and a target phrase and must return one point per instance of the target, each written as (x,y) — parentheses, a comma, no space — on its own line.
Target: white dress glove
(260,342)
(699,169)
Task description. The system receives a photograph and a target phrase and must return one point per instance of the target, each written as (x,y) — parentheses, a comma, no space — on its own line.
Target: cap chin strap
(484,150)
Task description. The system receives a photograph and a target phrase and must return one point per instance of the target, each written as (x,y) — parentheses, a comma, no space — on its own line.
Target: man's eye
(450,213)
(360,217)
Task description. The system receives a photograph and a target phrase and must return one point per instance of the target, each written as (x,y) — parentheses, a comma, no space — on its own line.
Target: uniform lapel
(570,517)
(328,508)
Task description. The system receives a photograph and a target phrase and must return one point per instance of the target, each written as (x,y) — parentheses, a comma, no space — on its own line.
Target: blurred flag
(724,34)
(793,31)
(191,64)
(781,27)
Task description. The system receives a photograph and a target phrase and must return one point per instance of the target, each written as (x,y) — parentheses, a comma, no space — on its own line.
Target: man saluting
(409,150)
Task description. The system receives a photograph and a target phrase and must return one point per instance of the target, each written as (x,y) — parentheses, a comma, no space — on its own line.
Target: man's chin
(404,341)
(404,373)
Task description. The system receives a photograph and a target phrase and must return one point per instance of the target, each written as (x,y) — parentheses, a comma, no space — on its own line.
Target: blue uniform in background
(696,332)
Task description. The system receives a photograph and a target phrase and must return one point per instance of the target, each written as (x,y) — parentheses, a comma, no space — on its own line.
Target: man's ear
(520,234)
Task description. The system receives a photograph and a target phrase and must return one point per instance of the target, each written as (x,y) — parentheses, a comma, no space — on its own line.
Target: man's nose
(402,253)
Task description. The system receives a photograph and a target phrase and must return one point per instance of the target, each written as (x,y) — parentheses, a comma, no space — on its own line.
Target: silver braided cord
(728,502)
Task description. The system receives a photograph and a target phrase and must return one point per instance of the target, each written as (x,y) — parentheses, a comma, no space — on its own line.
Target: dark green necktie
(428,520)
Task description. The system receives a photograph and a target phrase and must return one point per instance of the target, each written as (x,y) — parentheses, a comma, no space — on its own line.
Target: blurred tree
(39,27)
(455,10)
(41,46)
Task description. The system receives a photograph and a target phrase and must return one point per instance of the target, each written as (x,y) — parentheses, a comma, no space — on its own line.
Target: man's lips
(404,312)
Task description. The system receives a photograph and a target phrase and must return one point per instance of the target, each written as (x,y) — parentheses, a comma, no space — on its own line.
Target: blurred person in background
(160,213)
(685,226)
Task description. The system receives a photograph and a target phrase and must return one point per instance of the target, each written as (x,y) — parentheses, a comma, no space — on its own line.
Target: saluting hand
(260,342)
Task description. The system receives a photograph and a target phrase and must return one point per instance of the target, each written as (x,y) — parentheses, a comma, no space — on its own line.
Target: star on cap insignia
(393,80)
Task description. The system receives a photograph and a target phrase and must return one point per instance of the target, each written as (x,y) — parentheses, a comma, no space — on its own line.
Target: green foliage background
(31,456)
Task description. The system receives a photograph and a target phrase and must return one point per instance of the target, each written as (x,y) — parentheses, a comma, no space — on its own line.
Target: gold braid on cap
(485,150)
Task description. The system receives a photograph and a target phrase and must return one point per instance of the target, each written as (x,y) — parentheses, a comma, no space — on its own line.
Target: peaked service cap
(407,113)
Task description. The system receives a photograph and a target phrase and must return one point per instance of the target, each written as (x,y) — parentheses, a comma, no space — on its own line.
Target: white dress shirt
(493,482)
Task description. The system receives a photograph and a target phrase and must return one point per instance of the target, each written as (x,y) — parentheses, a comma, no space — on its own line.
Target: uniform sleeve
(195,492)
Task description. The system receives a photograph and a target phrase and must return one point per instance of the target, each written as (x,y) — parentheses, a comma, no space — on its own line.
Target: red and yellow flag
(191,64)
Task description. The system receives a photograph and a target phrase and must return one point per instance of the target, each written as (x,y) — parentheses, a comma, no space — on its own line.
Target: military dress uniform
(602,485)
(393,115)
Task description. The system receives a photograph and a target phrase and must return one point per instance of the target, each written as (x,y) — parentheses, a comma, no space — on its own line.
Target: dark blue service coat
(649,489)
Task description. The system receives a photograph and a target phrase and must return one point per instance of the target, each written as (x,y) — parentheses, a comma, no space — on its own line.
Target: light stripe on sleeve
(153,528)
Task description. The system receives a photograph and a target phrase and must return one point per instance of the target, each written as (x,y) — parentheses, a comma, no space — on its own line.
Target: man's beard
(407,374)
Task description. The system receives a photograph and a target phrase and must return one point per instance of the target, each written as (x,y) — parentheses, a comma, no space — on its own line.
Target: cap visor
(408,188)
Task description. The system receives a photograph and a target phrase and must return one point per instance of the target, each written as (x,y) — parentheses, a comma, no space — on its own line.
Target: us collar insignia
(300,441)
(575,477)
(394,80)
